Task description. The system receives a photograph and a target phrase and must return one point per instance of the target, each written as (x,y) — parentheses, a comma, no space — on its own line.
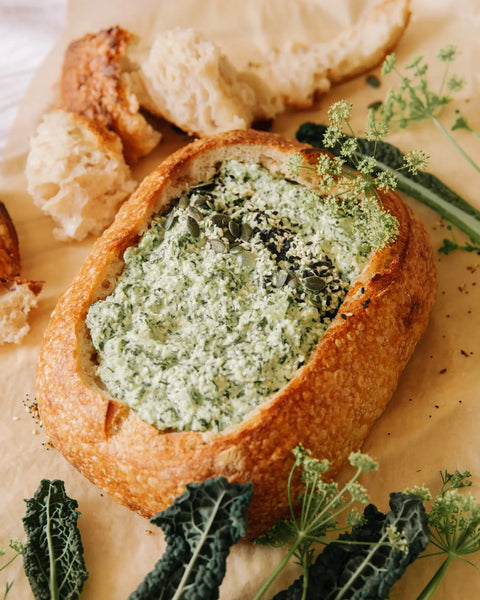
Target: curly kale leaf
(200,527)
(366,569)
(53,555)
(424,187)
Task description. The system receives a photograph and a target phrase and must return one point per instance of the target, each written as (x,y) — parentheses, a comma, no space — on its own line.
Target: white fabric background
(28,30)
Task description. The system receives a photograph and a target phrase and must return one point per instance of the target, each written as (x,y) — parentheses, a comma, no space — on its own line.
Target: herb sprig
(414,100)
(454,519)
(322,504)
(18,547)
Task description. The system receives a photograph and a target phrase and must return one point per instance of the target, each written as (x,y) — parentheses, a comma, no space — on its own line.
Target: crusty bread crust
(329,406)
(92,85)
(17,295)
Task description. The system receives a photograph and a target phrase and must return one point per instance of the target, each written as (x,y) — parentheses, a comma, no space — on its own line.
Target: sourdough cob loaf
(329,405)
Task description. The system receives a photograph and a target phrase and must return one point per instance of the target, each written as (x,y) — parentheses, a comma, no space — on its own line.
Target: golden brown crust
(10,256)
(92,86)
(329,406)
(9,252)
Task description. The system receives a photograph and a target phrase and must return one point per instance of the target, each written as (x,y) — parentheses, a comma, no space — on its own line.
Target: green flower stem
(455,145)
(279,568)
(432,585)
(10,561)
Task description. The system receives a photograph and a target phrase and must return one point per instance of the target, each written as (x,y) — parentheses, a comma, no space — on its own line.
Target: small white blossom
(340,112)
(295,163)
(455,83)
(355,519)
(358,493)
(332,136)
(367,165)
(421,492)
(447,54)
(363,462)
(349,147)
(386,180)
(397,539)
(416,160)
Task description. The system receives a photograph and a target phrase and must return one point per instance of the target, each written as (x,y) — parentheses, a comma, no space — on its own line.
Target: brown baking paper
(432,421)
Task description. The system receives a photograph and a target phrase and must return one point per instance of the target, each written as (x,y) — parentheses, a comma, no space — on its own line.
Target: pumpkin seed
(220,220)
(170,219)
(195,213)
(234,228)
(292,279)
(314,283)
(183,202)
(193,227)
(246,232)
(218,246)
(281,279)
(248,259)
(204,185)
(200,201)
(231,238)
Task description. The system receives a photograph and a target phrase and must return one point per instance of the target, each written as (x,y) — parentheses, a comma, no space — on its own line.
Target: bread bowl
(330,403)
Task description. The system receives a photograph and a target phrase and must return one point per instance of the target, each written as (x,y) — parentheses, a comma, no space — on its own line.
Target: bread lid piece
(94,85)
(329,406)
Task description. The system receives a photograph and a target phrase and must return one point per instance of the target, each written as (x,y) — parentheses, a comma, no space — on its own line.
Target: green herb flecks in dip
(226,296)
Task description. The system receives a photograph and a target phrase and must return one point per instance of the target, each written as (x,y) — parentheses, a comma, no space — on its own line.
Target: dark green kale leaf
(366,569)
(424,187)
(53,555)
(200,527)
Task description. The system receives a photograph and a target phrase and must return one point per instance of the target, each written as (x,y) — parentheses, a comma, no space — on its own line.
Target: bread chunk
(187,80)
(298,73)
(17,295)
(329,405)
(94,84)
(17,298)
(76,174)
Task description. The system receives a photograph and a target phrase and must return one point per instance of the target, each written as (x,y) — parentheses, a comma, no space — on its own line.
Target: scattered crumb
(32,409)
(16,418)
(148,531)
(472,268)
(463,353)
(442,371)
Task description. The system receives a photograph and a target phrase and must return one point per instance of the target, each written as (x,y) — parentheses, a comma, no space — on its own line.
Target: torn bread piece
(95,84)
(298,73)
(77,174)
(187,80)
(18,296)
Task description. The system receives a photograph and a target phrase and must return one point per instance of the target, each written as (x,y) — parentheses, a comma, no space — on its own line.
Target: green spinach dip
(226,296)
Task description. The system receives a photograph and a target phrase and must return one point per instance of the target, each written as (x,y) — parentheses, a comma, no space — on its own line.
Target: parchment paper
(431,423)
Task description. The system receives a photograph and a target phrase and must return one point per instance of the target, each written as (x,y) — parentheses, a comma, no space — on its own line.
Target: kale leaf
(53,555)
(424,187)
(366,569)
(199,527)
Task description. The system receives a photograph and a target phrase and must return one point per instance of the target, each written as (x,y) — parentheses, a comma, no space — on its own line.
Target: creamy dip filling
(226,296)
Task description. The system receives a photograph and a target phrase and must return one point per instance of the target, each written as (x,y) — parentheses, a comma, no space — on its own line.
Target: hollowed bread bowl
(329,406)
